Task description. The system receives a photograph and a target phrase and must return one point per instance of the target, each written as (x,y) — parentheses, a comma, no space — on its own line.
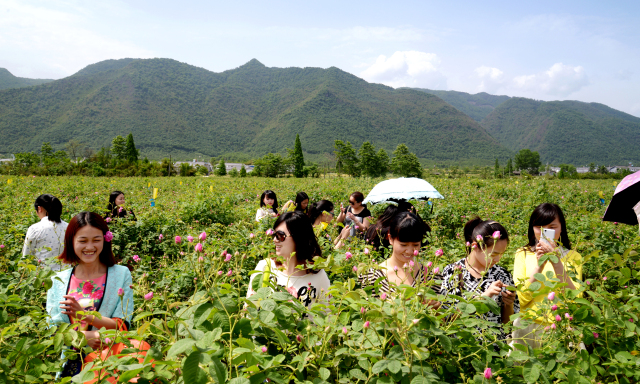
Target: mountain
(177,109)
(7,80)
(476,106)
(567,131)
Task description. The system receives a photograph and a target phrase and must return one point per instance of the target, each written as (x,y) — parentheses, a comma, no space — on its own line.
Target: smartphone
(548,235)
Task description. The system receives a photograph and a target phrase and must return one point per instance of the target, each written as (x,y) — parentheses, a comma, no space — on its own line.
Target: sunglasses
(352,202)
(281,236)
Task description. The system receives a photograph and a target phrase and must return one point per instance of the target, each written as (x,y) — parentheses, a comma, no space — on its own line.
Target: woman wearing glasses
(355,218)
(296,246)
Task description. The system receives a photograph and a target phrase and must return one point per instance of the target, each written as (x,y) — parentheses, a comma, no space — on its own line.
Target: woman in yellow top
(545,216)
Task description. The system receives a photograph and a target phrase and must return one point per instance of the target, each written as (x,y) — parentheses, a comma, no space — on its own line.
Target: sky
(545,50)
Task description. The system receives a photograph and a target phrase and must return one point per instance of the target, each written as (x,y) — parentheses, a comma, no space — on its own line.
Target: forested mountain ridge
(182,110)
(8,80)
(567,131)
(477,106)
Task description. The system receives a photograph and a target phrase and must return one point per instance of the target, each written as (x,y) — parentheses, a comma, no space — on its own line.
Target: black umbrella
(626,196)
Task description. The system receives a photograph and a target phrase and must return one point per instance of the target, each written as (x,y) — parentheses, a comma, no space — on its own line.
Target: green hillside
(177,109)
(567,131)
(7,80)
(476,106)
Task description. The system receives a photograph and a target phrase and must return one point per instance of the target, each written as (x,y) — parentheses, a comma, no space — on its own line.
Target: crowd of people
(96,283)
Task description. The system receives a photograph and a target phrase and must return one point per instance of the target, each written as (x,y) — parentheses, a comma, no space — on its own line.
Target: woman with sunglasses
(295,246)
(355,218)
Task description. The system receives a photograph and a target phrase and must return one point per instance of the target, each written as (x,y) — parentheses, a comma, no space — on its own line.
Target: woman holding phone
(547,235)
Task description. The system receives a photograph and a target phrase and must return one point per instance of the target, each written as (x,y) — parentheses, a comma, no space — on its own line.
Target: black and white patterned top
(456,278)
(372,275)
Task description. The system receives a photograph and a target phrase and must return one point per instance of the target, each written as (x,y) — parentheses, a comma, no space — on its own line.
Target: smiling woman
(94,283)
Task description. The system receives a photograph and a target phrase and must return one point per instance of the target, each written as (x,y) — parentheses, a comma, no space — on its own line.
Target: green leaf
(83,377)
(192,373)
(420,380)
(180,346)
(268,305)
(324,373)
(128,375)
(358,374)
(445,342)
(531,372)
(239,380)
(218,371)
(379,366)
(540,277)
(394,366)
(142,316)
(572,376)
(535,286)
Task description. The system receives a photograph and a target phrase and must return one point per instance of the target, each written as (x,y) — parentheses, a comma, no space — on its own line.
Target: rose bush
(191,306)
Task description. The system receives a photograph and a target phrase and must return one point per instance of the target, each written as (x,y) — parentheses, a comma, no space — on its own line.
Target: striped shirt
(380,276)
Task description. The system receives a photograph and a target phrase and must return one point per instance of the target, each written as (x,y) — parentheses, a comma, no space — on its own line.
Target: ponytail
(316,209)
(51,204)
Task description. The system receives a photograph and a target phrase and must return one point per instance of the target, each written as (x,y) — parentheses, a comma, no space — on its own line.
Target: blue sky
(550,50)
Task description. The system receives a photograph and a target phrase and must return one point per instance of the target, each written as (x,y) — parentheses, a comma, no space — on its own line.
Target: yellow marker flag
(211,188)
(9,181)
(155,193)
(614,184)
(181,183)
(600,194)
(149,185)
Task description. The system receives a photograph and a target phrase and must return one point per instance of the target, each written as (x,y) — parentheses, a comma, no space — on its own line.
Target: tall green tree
(528,160)
(243,171)
(369,164)
(131,153)
(496,169)
(46,151)
(347,160)
(383,162)
(509,169)
(119,148)
(221,169)
(405,163)
(270,165)
(297,158)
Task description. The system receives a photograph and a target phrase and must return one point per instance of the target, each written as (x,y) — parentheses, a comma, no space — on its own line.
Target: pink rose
(366,324)
(344,330)
(366,251)
(161,237)
(439,252)
(190,239)
(383,296)
(264,349)
(487,373)
(108,236)
(554,307)
(415,252)
(558,318)
(148,296)
(120,292)
(552,295)
(199,247)
(355,269)
(87,288)
(203,236)
(496,235)
(347,255)
(178,239)
(230,272)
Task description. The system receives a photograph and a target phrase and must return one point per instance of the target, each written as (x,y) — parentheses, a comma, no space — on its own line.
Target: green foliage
(528,160)
(202,328)
(405,163)
(346,159)
(248,111)
(567,171)
(8,80)
(234,173)
(187,169)
(373,164)
(569,132)
(270,165)
(476,106)
(119,148)
(509,170)
(221,169)
(243,171)
(297,158)
(130,151)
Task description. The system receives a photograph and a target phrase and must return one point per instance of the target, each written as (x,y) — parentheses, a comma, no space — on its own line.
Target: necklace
(468,264)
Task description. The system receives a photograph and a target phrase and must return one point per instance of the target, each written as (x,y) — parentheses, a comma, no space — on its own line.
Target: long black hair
(408,227)
(377,234)
(300,197)
(272,195)
(316,209)
(112,207)
(301,231)
(51,204)
(485,228)
(544,214)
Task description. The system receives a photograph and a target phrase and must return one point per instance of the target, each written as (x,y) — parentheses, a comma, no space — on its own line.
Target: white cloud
(61,33)
(559,80)
(491,79)
(407,69)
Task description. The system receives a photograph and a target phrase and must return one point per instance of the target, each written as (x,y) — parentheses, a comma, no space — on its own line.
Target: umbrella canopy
(402,189)
(626,196)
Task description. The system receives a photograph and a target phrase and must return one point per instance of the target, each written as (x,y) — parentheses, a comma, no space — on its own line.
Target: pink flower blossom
(383,296)
(487,373)
(596,335)
(230,273)
(107,340)
(411,263)
(551,296)
(251,235)
(436,270)
(355,269)
(558,318)
(553,326)
(604,278)
(362,310)
(228,258)
(439,252)
(148,296)
(366,324)
(496,235)
(395,268)
(415,321)
(554,307)
(415,252)
(347,255)
(631,320)
(108,236)
(264,349)
(429,264)
(344,330)
(479,238)
(120,292)
(567,316)
(220,273)
(269,232)
(190,239)
(178,239)
(201,259)
(468,244)
(588,282)
(366,251)
(199,247)
(546,329)
(203,236)
(160,237)
(299,338)
(108,219)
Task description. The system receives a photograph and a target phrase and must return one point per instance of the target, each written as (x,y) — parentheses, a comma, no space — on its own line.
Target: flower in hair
(108,236)
(479,237)
(496,235)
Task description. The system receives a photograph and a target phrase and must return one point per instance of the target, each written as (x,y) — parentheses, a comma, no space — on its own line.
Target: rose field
(202,329)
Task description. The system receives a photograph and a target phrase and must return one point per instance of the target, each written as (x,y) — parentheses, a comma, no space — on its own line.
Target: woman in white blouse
(45,239)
